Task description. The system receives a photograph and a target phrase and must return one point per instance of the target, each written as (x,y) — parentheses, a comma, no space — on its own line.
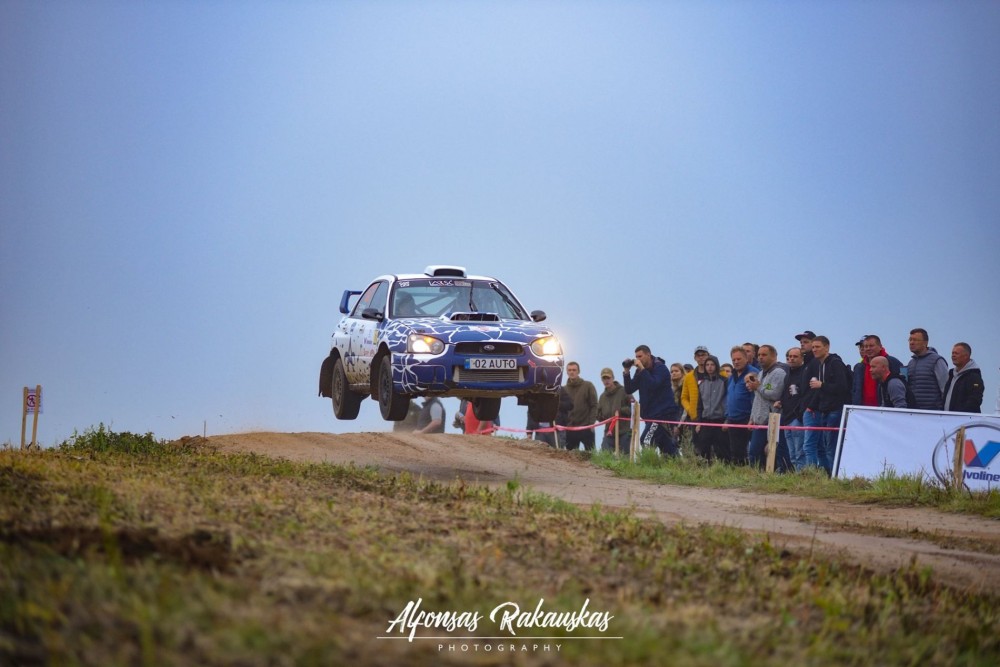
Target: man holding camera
(656,396)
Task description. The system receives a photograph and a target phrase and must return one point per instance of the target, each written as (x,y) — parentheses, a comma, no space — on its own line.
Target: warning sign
(33,401)
(32,405)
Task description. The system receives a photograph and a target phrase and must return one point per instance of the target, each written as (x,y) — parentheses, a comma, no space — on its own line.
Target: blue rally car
(440,333)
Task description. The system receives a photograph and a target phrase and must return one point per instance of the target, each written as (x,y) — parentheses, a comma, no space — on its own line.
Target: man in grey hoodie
(927,372)
(963,392)
(768,387)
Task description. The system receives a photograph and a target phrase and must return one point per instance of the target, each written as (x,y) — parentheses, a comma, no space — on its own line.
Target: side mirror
(537,315)
(372,314)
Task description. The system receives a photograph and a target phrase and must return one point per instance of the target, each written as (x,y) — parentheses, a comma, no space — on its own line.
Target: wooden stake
(636,422)
(24,416)
(773,431)
(958,459)
(38,408)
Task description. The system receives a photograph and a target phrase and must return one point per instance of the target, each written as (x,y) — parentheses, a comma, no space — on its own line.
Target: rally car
(440,333)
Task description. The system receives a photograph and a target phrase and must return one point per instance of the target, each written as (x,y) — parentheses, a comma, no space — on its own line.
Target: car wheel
(486,409)
(393,406)
(346,403)
(543,408)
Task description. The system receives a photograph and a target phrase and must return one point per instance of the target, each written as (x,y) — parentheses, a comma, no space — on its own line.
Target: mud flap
(326,378)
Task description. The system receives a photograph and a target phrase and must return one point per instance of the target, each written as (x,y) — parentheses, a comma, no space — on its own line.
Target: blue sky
(186,188)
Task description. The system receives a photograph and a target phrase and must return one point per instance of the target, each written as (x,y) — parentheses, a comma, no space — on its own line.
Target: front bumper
(446,375)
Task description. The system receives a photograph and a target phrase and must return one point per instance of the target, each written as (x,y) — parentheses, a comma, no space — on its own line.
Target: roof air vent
(437,271)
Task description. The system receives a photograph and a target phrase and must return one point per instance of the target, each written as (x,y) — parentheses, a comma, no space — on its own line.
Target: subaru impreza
(440,333)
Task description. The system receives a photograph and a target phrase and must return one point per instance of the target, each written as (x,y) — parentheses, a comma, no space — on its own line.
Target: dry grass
(118,549)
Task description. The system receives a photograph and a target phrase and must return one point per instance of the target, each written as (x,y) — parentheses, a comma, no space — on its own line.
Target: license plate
(490,364)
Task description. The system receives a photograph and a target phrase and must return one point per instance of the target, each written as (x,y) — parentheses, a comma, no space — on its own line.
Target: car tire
(346,403)
(543,408)
(486,409)
(393,406)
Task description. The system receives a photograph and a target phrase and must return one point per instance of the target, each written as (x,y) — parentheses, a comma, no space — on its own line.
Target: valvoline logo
(980,447)
(982,457)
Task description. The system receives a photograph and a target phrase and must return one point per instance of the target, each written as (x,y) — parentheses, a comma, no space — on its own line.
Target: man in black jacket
(805,344)
(964,390)
(796,383)
(829,389)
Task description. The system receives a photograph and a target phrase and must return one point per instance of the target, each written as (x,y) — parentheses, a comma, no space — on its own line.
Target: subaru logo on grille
(489,348)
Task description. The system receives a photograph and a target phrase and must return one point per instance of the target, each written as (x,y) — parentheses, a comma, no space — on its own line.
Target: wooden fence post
(958,458)
(773,433)
(24,416)
(38,408)
(636,423)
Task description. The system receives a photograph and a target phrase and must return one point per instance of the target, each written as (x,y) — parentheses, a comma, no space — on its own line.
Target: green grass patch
(123,550)
(889,489)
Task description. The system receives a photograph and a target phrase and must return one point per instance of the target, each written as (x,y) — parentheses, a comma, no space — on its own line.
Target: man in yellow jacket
(689,390)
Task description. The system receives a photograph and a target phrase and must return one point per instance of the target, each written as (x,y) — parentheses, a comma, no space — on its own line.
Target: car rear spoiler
(348,293)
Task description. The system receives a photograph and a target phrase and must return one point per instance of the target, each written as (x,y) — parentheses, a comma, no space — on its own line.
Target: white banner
(918,442)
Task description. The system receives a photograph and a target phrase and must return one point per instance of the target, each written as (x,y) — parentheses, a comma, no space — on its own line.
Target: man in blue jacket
(656,396)
(739,402)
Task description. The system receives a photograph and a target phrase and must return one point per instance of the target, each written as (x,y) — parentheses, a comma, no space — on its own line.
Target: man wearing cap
(865,390)
(614,402)
(692,379)
(805,342)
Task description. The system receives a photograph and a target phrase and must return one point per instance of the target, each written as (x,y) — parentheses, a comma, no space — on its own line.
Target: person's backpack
(910,400)
(849,384)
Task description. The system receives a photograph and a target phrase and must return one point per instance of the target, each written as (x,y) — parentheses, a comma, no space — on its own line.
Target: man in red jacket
(865,390)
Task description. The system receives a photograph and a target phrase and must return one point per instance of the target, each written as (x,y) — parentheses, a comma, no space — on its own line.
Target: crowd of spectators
(712,407)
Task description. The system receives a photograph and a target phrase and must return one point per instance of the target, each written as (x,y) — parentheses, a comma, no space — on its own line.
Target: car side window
(379,300)
(365,300)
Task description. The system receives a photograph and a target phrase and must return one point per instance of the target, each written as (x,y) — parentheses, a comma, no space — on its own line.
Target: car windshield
(434,297)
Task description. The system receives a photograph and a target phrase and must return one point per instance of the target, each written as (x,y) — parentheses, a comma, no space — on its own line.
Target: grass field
(889,489)
(118,549)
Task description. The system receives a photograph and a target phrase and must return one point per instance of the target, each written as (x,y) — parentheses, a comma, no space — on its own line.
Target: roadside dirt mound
(964,551)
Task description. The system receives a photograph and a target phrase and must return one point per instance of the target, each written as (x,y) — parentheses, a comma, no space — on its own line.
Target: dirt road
(964,551)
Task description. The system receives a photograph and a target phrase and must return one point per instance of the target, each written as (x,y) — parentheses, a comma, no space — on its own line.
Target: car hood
(460,332)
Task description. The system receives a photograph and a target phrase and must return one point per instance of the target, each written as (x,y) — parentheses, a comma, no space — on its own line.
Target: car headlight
(420,344)
(547,346)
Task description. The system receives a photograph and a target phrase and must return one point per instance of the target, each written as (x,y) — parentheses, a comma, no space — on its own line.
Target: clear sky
(186,188)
